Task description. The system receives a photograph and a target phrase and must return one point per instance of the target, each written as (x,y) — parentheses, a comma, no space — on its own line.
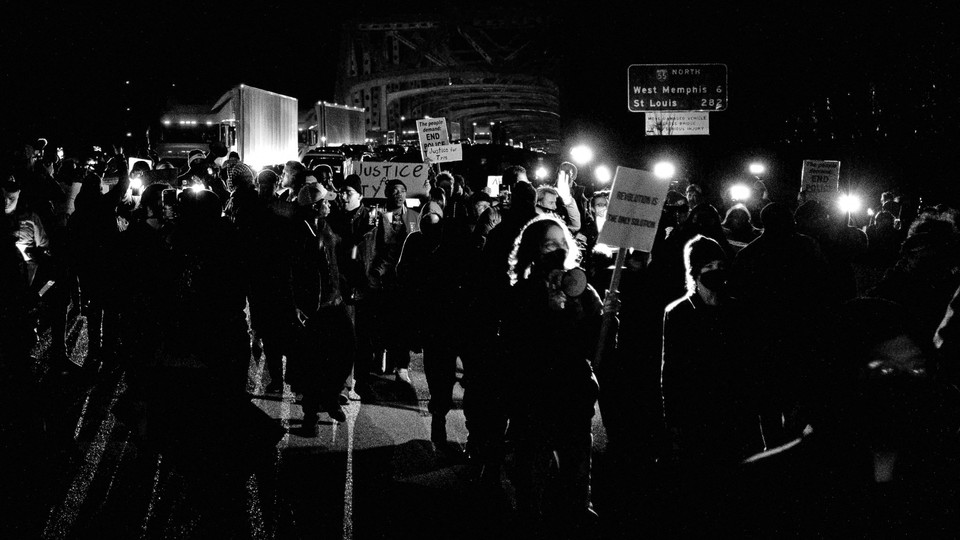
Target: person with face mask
(705,384)
(550,337)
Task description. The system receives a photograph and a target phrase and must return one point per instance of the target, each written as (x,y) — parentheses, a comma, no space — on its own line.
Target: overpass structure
(471,69)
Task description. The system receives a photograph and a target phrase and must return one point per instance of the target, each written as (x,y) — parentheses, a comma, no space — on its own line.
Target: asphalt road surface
(375,476)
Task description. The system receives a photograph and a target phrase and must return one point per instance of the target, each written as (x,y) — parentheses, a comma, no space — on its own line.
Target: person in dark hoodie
(707,383)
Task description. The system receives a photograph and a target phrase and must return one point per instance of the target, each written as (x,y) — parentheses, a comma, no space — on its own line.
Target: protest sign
(820,180)
(443,153)
(678,123)
(636,202)
(374,176)
(432,132)
(493,185)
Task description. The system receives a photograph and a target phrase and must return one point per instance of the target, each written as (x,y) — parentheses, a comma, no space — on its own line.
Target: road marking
(351,411)
(83,414)
(258,529)
(154,496)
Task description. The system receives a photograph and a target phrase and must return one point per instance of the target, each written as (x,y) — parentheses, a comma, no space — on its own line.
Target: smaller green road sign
(677,87)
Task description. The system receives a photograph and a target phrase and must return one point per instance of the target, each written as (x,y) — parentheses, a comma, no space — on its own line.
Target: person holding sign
(553,390)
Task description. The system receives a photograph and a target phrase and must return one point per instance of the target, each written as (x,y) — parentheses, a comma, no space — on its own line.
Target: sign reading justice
(636,202)
(374,176)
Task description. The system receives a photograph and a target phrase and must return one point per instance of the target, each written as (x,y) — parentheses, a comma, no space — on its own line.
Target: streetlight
(581,154)
(757,168)
(664,170)
(602,174)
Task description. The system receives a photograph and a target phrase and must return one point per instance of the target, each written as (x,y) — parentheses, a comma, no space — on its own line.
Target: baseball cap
(313,193)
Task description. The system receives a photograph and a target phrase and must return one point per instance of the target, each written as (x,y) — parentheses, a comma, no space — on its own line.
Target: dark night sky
(64,68)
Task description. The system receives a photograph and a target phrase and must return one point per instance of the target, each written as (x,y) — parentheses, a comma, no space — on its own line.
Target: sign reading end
(677,87)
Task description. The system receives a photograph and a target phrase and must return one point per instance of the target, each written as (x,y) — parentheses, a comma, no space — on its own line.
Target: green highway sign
(677,87)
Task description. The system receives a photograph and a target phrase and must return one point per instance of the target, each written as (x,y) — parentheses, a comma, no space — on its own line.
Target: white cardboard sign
(443,153)
(820,180)
(678,123)
(433,132)
(633,214)
(374,176)
(493,185)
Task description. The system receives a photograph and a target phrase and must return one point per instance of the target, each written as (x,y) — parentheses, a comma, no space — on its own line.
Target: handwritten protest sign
(820,180)
(636,201)
(443,153)
(432,132)
(493,185)
(374,176)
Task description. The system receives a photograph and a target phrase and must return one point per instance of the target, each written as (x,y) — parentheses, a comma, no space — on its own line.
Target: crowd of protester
(796,375)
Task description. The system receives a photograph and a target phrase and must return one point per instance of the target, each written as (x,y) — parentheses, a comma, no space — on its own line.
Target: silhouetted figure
(879,457)
(780,279)
(326,340)
(708,384)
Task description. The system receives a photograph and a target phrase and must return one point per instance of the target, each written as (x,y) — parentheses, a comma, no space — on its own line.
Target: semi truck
(259,125)
(331,124)
(482,135)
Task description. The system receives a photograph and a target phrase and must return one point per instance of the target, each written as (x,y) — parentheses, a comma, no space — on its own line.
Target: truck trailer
(259,125)
(331,124)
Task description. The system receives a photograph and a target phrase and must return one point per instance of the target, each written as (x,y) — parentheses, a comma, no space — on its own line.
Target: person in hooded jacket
(707,383)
